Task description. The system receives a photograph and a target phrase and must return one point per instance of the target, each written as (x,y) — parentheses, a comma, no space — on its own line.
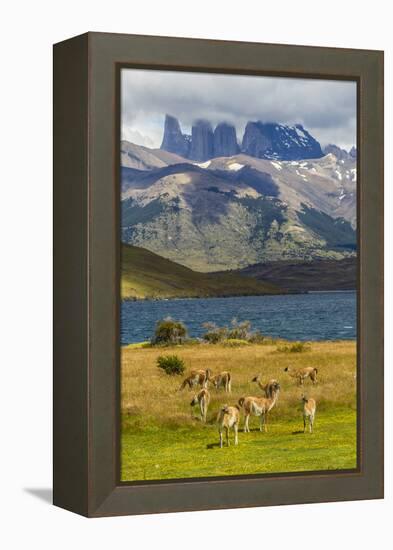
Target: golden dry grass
(149,396)
(162,439)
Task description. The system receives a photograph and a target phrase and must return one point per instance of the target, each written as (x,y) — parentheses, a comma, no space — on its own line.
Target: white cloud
(326,108)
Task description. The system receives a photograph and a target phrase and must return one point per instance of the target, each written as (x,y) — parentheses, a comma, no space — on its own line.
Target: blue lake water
(313,316)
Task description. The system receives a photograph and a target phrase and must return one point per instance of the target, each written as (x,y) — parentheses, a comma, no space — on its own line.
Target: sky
(326,108)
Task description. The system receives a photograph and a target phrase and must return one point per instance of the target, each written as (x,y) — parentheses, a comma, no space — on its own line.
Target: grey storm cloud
(326,108)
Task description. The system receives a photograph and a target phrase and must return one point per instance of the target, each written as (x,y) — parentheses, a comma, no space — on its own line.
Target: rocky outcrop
(255,143)
(262,140)
(202,147)
(340,154)
(174,141)
(353,153)
(278,141)
(225,141)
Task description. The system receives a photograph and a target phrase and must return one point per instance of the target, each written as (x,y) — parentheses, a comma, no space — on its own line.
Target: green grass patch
(164,453)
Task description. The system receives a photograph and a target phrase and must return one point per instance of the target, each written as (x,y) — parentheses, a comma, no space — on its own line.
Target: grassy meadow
(163,438)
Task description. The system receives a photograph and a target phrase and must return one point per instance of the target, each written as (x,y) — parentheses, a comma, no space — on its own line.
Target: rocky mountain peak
(202,146)
(270,140)
(225,140)
(262,140)
(340,154)
(255,142)
(174,141)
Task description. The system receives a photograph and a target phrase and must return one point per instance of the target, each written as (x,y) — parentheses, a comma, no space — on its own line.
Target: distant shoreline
(177,299)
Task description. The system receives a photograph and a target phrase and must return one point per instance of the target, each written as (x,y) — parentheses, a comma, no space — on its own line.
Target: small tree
(171,364)
(169,331)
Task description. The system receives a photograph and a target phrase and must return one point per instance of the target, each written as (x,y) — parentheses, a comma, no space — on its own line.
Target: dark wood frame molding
(86,273)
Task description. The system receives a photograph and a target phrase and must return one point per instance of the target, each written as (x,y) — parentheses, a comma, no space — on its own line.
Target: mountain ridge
(230,212)
(261,140)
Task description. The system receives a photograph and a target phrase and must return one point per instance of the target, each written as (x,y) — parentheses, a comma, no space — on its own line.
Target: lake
(313,316)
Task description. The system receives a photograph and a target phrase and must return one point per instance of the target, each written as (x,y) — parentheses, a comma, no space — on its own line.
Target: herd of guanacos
(229,416)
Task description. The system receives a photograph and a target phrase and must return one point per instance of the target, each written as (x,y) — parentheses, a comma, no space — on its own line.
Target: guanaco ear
(286,369)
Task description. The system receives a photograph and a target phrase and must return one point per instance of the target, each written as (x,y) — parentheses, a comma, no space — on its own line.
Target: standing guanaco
(302,374)
(202,398)
(267,388)
(309,408)
(259,406)
(228,417)
(196,378)
(223,379)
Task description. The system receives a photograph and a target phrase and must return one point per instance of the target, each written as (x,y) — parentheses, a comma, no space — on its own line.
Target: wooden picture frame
(86,274)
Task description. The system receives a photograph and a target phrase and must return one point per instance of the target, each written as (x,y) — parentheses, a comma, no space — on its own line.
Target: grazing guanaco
(267,388)
(196,378)
(309,408)
(302,374)
(228,417)
(202,398)
(259,406)
(223,379)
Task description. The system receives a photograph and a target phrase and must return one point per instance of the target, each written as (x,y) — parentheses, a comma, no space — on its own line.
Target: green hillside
(147,275)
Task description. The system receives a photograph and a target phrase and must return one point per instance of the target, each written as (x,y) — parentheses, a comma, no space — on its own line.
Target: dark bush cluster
(171,364)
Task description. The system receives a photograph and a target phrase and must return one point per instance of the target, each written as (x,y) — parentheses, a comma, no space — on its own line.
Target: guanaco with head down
(301,374)
(196,378)
(222,380)
(202,398)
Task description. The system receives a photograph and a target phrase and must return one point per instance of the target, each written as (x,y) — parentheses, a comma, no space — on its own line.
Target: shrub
(171,364)
(239,331)
(296,347)
(214,334)
(257,337)
(235,342)
(169,331)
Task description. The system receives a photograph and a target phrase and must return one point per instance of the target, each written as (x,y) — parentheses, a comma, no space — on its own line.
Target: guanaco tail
(202,398)
(259,406)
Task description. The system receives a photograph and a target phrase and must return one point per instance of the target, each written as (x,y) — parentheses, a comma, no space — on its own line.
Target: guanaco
(196,378)
(202,398)
(259,406)
(223,379)
(302,374)
(267,388)
(309,408)
(228,417)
